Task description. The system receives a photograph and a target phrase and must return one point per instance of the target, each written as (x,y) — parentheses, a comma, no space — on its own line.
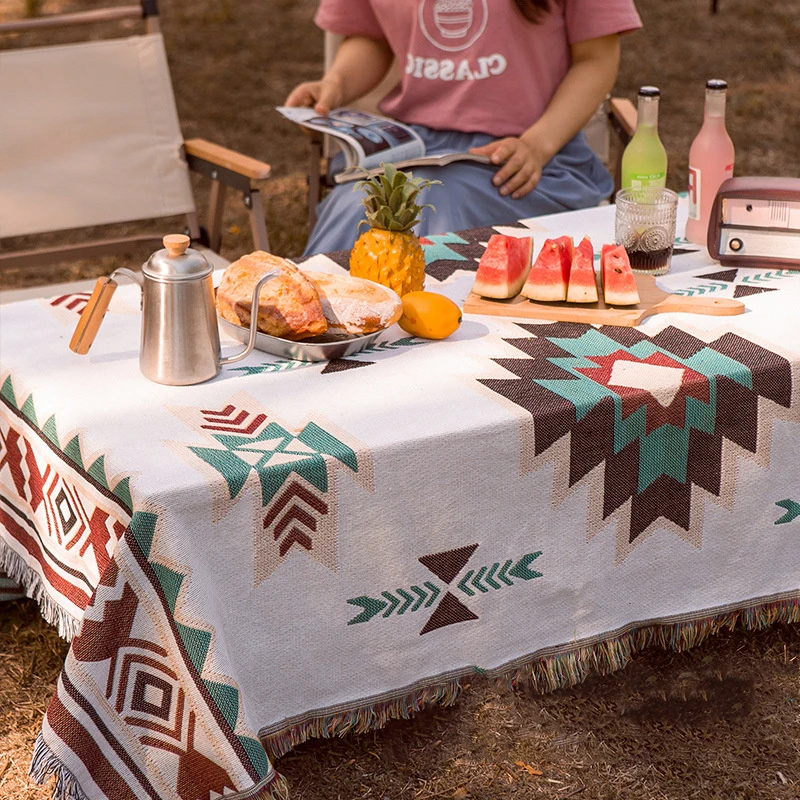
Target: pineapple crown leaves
(391,199)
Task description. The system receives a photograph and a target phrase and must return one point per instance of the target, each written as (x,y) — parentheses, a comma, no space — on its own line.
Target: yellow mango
(429,315)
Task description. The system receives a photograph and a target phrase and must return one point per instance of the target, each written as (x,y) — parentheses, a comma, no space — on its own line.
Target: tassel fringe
(276,789)
(562,670)
(44,764)
(12,565)
(362,719)
(541,674)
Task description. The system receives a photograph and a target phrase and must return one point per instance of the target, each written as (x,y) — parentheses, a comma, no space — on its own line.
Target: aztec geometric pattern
(445,253)
(60,507)
(136,657)
(62,511)
(745,282)
(335,364)
(792,509)
(451,609)
(73,302)
(598,415)
(293,475)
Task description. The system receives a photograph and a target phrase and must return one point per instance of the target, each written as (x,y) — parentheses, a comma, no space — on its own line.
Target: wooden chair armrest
(228,169)
(216,155)
(623,113)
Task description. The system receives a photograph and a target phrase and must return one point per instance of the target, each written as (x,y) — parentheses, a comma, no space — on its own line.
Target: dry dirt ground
(718,722)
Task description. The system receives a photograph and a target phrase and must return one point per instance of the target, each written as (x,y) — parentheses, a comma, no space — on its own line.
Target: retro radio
(755,222)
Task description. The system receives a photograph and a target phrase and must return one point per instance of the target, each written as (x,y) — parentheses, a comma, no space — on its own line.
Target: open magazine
(367,140)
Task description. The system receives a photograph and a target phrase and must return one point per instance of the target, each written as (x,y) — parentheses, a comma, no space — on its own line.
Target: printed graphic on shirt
(453,24)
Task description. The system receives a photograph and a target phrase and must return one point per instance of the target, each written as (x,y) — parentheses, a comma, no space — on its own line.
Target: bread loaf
(288,306)
(354,305)
(298,305)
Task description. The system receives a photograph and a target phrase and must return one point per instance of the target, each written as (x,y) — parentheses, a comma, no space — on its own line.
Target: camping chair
(614,120)
(90,138)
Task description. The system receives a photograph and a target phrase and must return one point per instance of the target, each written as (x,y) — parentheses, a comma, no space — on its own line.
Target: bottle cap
(649,91)
(716,84)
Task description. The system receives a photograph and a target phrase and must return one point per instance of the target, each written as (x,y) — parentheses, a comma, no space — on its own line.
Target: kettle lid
(177,261)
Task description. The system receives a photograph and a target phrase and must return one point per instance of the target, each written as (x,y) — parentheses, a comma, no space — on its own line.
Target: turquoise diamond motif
(273,455)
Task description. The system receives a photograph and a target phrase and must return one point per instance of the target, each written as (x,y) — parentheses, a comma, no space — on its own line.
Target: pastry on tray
(299,305)
(288,306)
(355,305)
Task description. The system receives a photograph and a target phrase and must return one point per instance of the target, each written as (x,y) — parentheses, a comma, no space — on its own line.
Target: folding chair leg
(216,207)
(258,223)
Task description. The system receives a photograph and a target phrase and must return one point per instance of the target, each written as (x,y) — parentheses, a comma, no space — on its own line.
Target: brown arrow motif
(297,510)
(232,420)
(294,513)
(293,536)
(292,491)
(74,302)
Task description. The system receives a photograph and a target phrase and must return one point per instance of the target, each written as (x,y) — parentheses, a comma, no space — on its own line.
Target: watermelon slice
(582,286)
(619,286)
(504,266)
(549,274)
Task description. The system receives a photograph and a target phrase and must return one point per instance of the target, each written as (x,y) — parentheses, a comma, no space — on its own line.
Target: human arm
(359,65)
(592,73)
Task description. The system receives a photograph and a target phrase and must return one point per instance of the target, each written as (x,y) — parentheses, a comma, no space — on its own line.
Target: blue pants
(574,178)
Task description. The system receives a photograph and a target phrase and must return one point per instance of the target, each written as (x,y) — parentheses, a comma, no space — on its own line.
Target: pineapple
(389,252)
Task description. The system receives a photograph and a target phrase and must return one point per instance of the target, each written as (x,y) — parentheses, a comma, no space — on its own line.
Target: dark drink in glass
(656,261)
(644,224)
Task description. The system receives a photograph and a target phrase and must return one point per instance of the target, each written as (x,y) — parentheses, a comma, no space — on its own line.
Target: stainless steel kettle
(180,336)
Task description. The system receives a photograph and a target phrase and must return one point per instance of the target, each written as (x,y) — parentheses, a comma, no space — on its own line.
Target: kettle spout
(273,273)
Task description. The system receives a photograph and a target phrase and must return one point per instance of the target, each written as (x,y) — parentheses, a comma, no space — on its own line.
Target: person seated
(515,80)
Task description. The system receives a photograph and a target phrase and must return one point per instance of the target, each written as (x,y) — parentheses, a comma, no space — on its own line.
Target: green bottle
(644,160)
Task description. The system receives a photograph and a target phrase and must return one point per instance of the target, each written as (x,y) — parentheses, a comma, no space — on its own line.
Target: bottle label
(695,176)
(648,179)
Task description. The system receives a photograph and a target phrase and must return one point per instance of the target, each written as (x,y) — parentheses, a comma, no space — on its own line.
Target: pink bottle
(710,162)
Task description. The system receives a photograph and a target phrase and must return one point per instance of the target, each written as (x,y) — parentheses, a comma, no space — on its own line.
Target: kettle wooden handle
(92,316)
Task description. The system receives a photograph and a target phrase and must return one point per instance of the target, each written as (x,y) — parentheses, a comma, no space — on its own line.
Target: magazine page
(366,138)
(358,173)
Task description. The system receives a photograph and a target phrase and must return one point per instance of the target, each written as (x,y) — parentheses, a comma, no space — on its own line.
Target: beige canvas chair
(608,131)
(90,136)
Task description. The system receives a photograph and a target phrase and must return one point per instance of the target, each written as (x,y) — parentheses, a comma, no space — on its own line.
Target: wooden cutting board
(652,301)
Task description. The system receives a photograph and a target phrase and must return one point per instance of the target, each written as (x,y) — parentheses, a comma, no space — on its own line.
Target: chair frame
(225,168)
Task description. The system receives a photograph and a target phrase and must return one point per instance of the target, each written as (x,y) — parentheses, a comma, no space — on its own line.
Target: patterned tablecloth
(295,550)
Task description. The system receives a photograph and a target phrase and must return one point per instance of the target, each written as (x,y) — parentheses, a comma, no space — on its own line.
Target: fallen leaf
(460,793)
(528,768)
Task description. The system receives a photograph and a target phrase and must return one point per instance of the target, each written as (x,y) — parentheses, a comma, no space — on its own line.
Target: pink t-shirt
(475,65)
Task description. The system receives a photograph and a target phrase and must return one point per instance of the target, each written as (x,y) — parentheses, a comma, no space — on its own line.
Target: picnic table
(297,549)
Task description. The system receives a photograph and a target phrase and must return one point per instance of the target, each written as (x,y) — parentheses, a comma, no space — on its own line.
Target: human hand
(521,167)
(321,95)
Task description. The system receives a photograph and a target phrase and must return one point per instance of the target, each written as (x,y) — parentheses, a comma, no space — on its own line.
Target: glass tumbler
(644,224)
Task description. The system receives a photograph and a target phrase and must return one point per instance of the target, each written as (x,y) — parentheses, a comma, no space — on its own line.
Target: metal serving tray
(318,348)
